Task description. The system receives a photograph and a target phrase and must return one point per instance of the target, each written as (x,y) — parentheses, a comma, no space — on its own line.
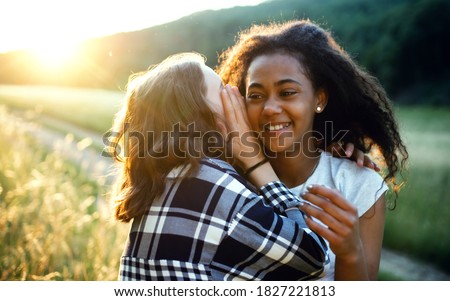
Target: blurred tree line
(402,42)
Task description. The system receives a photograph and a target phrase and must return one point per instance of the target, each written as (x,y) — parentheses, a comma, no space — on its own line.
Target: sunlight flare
(54,56)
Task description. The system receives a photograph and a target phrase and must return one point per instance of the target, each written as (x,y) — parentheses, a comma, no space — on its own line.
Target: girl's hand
(353,154)
(245,145)
(340,218)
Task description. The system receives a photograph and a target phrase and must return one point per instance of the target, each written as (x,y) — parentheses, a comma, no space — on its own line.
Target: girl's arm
(261,244)
(371,229)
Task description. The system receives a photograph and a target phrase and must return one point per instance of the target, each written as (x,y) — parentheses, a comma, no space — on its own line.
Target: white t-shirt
(360,185)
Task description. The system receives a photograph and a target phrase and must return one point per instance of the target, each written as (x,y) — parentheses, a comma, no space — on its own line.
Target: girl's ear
(322,100)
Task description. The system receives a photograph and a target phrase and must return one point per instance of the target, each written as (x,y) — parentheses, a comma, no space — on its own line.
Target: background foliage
(402,42)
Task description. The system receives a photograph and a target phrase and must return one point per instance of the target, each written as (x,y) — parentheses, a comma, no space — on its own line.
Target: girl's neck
(294,171)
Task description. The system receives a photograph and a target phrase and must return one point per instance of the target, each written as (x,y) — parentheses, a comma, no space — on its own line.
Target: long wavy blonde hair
(159,103)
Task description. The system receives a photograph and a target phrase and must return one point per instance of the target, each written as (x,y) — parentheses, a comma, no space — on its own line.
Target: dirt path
(406,268)
(77,145)
(84,148)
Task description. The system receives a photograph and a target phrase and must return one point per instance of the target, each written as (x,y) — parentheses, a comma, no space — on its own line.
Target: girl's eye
(287,93)
(253,96)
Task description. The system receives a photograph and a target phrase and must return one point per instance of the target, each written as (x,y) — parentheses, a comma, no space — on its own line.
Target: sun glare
(55,56)
(28,23)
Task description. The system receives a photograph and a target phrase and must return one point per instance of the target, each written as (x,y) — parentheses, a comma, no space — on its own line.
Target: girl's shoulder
(218,164)
(207,165)
(219,170)
(360,185)
(348,170)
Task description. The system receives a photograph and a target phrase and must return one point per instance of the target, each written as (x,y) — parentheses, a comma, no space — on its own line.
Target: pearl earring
(318,109)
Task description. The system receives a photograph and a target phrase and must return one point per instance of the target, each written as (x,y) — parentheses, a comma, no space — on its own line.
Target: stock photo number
(295,291)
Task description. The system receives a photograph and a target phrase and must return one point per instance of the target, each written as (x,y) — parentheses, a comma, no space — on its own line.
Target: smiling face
(281,102)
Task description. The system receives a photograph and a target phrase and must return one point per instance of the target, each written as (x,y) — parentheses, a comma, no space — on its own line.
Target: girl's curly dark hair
(357,103)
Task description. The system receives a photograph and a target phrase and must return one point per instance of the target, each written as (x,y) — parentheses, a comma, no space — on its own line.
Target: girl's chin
(287,150)
(277,134)
(279,142)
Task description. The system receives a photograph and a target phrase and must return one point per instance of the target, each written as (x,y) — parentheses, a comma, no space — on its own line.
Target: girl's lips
(270,127)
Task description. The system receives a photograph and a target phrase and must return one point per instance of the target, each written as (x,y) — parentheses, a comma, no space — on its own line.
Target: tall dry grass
(51,225)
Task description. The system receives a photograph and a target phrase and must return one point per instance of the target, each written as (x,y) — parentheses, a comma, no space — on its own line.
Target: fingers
(242,140)
(350,152)
(336,149)
(326,212)
(238,105)
(342,241)
(234,107)
(364,160)
(359,157)
(368,162)
(338,221)
(238,95)
(349,149)
(331,216)
(227,106)
(332,196)
(321,230)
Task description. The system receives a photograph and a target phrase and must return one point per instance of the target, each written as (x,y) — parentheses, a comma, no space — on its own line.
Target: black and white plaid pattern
(214,226)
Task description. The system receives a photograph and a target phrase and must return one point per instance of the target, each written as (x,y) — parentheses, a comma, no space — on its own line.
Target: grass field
(54,224)
(51,227)
(87,108)
(419,225)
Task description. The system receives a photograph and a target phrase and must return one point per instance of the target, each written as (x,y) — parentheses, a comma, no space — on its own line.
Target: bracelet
(248,171)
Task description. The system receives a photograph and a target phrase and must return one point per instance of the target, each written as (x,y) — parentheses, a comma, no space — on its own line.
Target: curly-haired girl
(304,92)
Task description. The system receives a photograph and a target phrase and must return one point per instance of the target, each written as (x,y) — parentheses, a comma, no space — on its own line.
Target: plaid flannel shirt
(215,226)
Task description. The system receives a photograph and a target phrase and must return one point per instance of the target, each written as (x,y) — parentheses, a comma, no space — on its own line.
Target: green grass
(418,226)
(88,108)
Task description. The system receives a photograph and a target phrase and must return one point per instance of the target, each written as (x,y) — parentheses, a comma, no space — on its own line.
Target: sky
(51,26)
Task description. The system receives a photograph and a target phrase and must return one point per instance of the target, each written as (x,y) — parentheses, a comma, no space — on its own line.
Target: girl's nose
(272,106)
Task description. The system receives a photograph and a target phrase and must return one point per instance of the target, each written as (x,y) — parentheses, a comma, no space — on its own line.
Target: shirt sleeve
(360,185)
(278,196)
(263,244)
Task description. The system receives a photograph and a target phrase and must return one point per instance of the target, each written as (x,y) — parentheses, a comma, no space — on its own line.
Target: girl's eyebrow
(287,81)
(255,85)
(278,83)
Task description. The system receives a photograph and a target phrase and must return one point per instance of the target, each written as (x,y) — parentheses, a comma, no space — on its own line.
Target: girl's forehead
(276,59)
(269,65)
